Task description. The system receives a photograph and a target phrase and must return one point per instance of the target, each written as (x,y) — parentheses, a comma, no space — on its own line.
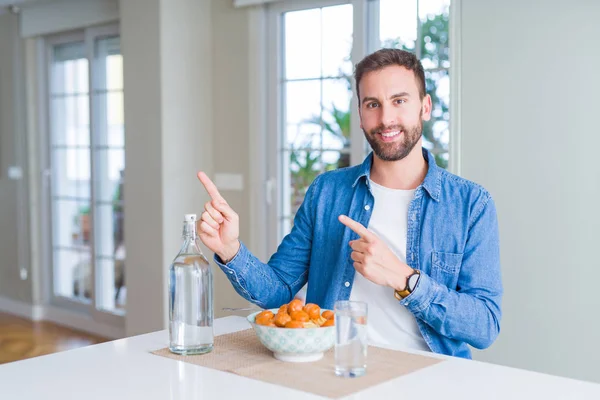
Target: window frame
(275,163)
(266,99)
(89,36)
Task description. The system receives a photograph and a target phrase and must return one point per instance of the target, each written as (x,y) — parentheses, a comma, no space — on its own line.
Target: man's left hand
(373,259)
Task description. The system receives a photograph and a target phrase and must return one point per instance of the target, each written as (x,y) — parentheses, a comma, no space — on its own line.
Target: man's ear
(426,108)
(359,115)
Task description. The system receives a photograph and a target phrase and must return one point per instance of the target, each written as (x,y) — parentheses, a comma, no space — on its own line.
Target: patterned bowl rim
(252,316)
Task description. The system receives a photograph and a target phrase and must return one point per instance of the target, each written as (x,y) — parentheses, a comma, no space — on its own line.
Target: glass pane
(70,120)
(438,87)
(337,23)
(72,275)
(436,130)
(80,118)
(109,111)
(398,24)
(69,71)
(63,182)
(78,164)
(110,260)
(70,223)
(337,94)
(335,159)
(81,75)
(105,277)
(60,135)
(103,230)
(304,135)
(114,72)
(110,170)
(70,162)
(115,119)
(302,112)
(110,63)
(304,167)
(434,17)
(302,39)
(69,76)
(110,284)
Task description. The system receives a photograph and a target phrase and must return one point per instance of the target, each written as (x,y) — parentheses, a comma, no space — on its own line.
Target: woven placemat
(241,353)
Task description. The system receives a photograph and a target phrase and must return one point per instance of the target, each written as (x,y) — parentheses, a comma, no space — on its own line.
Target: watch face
(412,281)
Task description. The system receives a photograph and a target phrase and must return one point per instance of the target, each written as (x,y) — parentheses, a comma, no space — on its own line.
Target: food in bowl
(294,316)
(295,340)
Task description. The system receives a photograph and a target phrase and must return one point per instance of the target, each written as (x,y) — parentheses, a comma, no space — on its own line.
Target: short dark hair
(384,58)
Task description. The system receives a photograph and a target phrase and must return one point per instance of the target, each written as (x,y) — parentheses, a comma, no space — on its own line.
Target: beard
(394,151)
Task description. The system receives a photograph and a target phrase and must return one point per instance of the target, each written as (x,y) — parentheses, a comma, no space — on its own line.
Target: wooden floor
(21,338)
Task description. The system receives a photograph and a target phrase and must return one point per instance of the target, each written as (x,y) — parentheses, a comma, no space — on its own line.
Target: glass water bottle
(190,296)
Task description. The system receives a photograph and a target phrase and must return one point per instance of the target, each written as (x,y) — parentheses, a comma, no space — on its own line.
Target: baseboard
(71,319)
(82,322)
(21,309)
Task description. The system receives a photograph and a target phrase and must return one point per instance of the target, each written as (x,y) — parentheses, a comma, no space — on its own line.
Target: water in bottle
(190,296)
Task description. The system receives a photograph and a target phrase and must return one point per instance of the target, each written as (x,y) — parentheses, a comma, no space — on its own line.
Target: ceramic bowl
(294,345)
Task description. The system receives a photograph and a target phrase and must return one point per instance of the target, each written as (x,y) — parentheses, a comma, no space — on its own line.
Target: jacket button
(367,207)
(347,284)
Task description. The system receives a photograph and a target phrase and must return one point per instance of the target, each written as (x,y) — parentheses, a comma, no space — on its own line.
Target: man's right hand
(219,227)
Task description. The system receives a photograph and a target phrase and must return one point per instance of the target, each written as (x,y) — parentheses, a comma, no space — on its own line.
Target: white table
(124,369)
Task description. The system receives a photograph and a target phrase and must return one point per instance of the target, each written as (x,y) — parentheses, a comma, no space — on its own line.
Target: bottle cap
(189,218)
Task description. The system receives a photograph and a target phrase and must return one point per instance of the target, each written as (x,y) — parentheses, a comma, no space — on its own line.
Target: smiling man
(418,244)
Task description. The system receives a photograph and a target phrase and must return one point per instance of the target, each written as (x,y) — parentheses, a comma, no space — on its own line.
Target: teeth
(390,134)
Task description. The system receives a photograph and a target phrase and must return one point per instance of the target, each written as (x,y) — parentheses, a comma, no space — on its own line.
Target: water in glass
(351,339)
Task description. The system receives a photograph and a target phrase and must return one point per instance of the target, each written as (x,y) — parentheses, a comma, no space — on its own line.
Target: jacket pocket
(445,268)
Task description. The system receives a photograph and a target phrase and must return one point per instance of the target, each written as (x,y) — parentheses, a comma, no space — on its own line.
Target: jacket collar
(432,182)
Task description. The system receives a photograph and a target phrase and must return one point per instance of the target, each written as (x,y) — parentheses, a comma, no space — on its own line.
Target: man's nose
(388,116)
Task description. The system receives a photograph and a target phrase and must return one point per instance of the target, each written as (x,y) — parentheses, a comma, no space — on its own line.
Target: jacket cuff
(422,296)
(238,264)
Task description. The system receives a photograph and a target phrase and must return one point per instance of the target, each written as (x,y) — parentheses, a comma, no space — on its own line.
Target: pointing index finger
(357,227)
(210,187)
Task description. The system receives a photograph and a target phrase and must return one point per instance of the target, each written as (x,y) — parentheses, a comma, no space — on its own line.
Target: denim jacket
(452,239)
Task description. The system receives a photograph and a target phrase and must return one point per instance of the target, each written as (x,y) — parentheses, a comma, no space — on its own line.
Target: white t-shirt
(389,322)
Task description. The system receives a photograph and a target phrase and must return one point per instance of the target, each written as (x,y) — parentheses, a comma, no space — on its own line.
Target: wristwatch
(411,283)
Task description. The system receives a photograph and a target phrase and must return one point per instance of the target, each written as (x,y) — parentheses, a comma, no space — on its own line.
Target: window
(316,44)
(316,87)
(421,26)
(87,165)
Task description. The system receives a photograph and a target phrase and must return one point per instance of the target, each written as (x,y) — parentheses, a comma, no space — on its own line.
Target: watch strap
(401,294)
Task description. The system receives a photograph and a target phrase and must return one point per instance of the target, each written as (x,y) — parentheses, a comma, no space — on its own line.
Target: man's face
(392,112)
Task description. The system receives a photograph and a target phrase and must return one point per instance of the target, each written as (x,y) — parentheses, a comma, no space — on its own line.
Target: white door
(86,168)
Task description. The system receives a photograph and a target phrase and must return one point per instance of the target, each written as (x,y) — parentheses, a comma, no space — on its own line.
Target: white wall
(187,109)
(168,121)
(63,15)
(531,136)
(142,193)
(231,124)
(12,153)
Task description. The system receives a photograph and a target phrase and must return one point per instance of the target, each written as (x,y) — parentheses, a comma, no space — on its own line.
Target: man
(423,241)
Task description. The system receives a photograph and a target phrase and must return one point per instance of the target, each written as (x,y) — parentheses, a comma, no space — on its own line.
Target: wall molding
(455,146)
(71,319)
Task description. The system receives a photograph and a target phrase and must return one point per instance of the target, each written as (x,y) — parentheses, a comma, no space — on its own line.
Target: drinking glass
(350,338)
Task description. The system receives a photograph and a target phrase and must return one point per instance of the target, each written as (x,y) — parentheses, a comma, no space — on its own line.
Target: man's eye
(400,101)
(372,105)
